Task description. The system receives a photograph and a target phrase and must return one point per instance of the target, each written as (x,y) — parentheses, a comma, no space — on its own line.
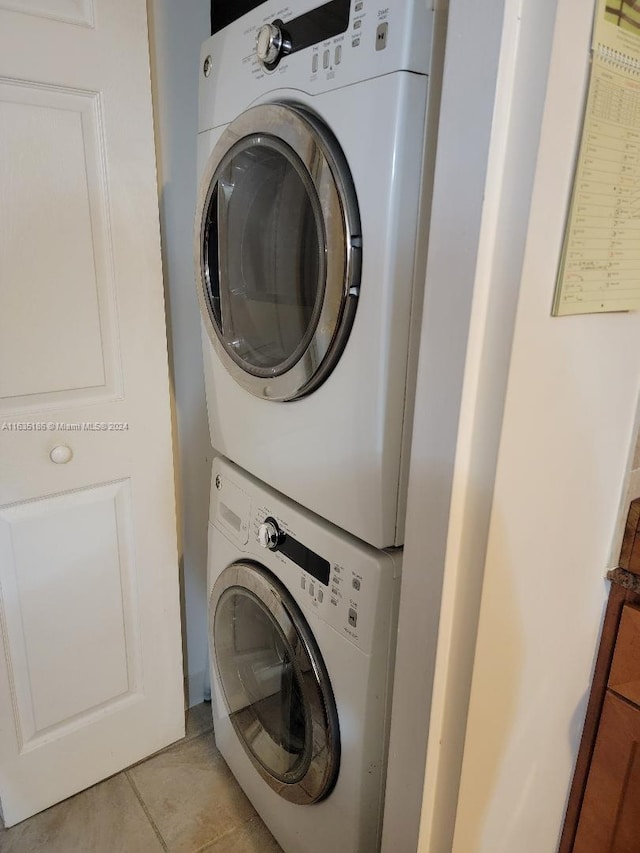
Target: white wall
(176,33)
(565,445)
(464,131)
(522,39)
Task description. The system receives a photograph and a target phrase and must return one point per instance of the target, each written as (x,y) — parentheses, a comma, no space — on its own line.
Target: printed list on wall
(600,263)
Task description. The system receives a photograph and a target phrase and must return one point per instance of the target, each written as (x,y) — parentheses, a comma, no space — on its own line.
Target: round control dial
(269,534)
(269,43)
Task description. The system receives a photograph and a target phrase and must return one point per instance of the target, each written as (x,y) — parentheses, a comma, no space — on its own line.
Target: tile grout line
(189,738)
(146,811)
(225,834)
(169,746)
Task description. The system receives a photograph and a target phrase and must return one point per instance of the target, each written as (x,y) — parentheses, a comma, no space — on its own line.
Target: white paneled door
(90,664)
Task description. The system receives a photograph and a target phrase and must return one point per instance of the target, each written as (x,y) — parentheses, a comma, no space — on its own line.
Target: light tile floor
(183,799)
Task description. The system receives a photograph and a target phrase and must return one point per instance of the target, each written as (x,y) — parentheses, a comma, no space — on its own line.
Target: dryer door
(274,682)
(278,250)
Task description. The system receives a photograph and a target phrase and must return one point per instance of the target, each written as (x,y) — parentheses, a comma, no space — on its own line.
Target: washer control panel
(331,575)
(339,594)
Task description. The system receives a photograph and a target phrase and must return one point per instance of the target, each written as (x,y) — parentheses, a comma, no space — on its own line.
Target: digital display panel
(318,25)
(306,559)
(324,22)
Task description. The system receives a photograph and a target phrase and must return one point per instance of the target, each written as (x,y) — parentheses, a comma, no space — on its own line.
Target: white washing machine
(302,624)
(310,157)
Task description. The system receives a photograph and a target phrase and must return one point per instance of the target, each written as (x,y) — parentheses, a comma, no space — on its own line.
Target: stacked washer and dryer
(310,156)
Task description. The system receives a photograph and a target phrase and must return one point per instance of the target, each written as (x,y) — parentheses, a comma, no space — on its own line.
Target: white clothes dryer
(307,244)
(302,626)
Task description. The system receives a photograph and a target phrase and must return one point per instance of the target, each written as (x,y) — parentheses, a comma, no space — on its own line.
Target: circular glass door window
(264,256)
(278,251)
(274,683)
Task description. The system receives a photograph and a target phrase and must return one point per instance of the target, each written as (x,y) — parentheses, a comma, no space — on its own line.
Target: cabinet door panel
(624,677)
(610,815)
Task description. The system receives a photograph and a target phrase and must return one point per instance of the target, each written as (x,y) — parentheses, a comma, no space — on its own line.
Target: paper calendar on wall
(600,263)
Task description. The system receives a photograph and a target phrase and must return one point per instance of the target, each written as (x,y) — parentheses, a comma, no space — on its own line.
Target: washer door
(278,250)
(274,682)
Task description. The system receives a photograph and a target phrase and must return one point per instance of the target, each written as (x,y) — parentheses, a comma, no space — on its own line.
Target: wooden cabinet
(610,814)
(603,812)
(624,677)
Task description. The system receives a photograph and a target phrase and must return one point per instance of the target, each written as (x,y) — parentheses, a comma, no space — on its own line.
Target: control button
(269,534)
(338,55)
(314,63)
(356,583)
(355,42)
(269,43)
(334,591)
(359,7)
(357,24)
(320,596)
(353,617)
(325,59)
(381,36)
(303,582)
(312,589)
(334,601)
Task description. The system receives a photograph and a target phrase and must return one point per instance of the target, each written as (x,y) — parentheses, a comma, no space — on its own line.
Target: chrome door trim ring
(329,173)
(324,758)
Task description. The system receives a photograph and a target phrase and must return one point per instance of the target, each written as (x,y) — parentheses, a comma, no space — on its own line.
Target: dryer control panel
(278,39)
(310,46)
(338,42)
